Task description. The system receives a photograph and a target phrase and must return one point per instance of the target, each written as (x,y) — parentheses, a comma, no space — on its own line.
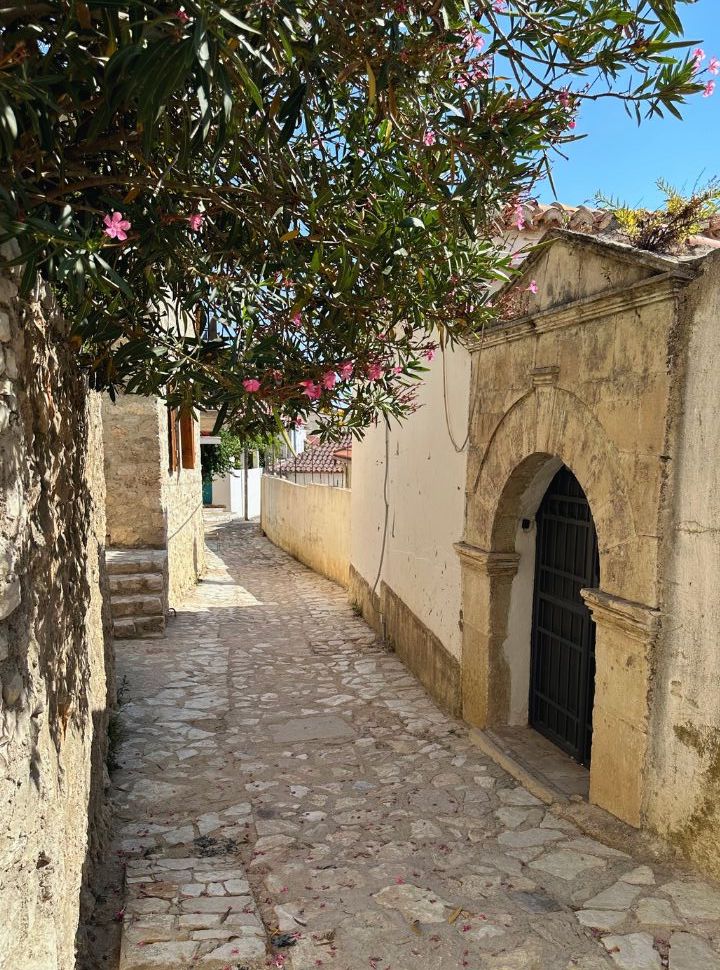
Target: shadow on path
(272,741)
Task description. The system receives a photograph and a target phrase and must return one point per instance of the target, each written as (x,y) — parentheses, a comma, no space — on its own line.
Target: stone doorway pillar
(486,583)
(625,637)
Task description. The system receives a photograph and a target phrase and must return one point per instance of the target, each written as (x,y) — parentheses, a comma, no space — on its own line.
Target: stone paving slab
(290,797)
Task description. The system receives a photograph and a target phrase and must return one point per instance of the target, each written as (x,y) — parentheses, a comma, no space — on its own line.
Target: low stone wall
(311,522)
(416,645)
(185,532)
(55,661)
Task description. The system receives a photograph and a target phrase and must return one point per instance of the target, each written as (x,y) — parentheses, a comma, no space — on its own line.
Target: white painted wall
(426,493)
(230,491)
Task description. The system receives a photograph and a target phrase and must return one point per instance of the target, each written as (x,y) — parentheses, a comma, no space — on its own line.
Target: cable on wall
(458,448)
(387,505)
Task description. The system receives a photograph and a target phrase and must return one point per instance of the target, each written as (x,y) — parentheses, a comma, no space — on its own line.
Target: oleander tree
(270,207)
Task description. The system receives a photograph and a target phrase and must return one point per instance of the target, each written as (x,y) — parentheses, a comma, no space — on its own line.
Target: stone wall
(311,522)
(183,508)
(54,637)
(148,506)
(683,798)
(132,427)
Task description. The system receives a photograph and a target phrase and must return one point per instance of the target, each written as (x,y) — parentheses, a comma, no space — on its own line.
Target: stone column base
(626,634)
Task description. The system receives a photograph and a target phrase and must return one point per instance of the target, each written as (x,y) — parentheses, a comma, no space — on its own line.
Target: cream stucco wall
(311,522)
(426,497)
(426,492)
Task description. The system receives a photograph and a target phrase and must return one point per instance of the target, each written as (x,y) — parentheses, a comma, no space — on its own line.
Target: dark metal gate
(562,681)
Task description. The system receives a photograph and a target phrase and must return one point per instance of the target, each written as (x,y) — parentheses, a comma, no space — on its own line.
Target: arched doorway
(562,676)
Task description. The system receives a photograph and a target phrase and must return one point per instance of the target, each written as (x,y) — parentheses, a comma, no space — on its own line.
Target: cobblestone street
(284,780)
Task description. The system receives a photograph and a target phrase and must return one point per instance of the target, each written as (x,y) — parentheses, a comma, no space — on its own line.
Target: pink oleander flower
(296,319)
(311,389)
(709,89)
(299,421)
(519,217)
(251,385)
(572,123)
(429,138)
(329,380)
(397,369)
(116,227)
(429,354)
(714,65)
(182,16)
(564,99)
(698,55)
(472,39)
(533,288)
(196,220)
(374,371)
(345,370)
(499,6)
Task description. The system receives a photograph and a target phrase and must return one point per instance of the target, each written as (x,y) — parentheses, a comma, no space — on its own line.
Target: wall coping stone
(657,289)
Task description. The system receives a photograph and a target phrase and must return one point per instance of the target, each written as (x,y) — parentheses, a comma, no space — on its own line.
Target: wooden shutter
(187,439)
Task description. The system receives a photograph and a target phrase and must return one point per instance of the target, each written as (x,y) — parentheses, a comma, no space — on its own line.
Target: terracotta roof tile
(323,458)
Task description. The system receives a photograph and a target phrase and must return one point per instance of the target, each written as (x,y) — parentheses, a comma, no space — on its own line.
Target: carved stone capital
(545,376)
(490,563)
(634,619)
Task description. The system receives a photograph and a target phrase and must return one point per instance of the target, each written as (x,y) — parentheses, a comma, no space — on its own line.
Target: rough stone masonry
(53,635)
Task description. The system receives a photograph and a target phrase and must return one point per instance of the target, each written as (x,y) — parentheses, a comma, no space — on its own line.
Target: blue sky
(624,161)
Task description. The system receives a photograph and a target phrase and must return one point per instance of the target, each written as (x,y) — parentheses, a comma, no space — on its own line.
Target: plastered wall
(311,522)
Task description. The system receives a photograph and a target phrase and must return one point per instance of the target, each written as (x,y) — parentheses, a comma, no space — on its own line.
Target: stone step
(136,605)
(144,582)
(123,561)
(138,627)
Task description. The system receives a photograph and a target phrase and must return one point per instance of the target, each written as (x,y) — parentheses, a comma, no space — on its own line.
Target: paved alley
(289,796)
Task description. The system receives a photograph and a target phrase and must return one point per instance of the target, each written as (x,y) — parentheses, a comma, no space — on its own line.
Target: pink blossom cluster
(713,67)
(471,72)
(310,388)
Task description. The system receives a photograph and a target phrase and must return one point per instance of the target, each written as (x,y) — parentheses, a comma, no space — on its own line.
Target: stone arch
(545,425)
(540,431)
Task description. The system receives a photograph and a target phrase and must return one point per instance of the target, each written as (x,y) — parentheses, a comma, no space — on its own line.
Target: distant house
(238,491)
(322,463)
(155,538)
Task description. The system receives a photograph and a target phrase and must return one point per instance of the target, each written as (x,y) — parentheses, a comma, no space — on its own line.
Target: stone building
(55,645)
(154,510)
(588,550)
